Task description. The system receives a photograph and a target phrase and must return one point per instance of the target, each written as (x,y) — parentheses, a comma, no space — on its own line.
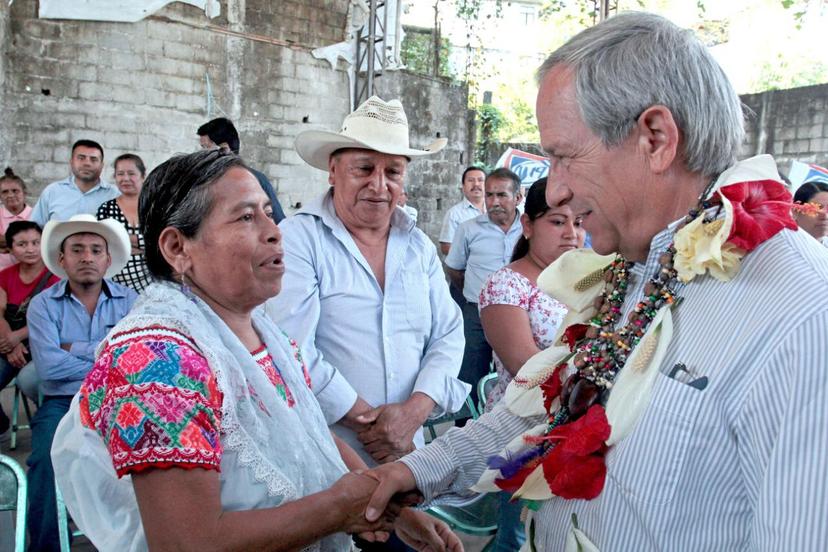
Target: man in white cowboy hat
(66,324)
(364,291)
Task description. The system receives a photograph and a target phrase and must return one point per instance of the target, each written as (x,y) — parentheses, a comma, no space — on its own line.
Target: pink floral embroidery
(507,287)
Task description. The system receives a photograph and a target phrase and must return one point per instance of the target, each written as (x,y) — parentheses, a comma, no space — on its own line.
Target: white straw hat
(112,231)
(375,125)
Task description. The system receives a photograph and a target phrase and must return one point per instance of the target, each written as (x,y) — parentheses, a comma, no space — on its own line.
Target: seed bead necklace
(604,350)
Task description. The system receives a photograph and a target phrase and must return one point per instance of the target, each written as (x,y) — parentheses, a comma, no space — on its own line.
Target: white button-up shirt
(63,199)
(357,338)
(736,465)
(457,215)
(481,247)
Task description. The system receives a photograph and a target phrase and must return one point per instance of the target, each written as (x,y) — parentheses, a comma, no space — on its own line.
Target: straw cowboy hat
(375,125)
(112,231)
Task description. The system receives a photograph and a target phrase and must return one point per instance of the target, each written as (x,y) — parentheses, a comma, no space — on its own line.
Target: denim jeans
(510,534)
(477,356)
(43,527)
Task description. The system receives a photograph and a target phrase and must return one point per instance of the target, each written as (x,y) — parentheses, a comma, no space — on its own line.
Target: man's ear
(658,137)
(173,247)
(331,169)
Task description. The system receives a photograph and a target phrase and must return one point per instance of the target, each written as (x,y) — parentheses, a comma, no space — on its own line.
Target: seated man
(19,283)
(66,323)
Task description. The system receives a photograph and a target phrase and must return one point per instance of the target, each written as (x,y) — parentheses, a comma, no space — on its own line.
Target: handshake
(376,502)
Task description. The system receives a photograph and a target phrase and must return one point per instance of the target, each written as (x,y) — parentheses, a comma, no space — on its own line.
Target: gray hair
(177,194)
(636,60)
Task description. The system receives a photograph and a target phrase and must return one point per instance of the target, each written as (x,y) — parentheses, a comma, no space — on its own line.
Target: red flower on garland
(573,334)
(551,388)
(575,467)
(761,209)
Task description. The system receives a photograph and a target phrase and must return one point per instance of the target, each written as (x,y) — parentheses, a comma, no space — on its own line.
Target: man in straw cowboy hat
(66,323)
(364,290)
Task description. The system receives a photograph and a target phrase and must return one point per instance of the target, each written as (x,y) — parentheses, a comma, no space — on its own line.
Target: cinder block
(41,28)
(120,140)
(114,40)
(48,171)
(152,46)
(60,154)
(121,60)
(177,84)
(160,98)
(72,52)
(190,103)
(177,50)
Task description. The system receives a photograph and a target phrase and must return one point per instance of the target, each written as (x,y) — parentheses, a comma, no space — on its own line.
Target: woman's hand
(351,495)
(425,533)
(8,341)
(17,357)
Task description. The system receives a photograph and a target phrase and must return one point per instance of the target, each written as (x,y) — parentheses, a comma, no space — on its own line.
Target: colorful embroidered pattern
(263,359)
(297,354)
(153,398)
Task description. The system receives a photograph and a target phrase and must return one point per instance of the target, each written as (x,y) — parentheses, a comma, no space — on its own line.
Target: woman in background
(129,177)
(813,220)
(14,208)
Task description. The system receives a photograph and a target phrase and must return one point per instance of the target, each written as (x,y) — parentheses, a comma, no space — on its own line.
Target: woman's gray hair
(636,60)
(177,194)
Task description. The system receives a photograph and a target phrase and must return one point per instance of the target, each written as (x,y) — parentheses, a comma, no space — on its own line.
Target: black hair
(221,131)
(139,163)
(808,190)
(506,174)
(534,208)
(470,169)
(177,194)
(88,144)
(19,226)
(9,175)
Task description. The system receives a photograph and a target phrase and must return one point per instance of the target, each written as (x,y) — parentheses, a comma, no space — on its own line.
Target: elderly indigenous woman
(197,428)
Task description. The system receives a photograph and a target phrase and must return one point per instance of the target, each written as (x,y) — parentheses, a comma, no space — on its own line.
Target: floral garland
(581,383)
(809,209)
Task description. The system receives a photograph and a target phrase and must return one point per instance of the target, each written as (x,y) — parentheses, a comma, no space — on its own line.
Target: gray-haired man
(726,448)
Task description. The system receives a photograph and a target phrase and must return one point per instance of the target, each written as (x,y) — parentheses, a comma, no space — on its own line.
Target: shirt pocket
(648,465)
(417,301)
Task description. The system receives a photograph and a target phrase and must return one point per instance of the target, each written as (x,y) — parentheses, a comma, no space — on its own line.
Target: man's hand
(66,347)
(352,420)
(393,479)
(8,341)
(17,357)
(425,533)
(392,427)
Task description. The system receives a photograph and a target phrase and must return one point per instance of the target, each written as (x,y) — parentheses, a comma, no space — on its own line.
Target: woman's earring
(186,289)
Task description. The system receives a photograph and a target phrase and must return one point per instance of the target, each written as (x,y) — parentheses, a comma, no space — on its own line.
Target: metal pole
(371,52)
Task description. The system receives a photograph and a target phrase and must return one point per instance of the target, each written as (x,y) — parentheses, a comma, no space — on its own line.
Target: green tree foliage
(490,121)
(417,52)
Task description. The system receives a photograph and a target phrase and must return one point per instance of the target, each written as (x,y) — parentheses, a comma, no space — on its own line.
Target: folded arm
(55,360)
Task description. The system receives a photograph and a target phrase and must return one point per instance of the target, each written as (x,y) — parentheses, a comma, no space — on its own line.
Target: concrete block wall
(435,109)
(143,87)
(788,124)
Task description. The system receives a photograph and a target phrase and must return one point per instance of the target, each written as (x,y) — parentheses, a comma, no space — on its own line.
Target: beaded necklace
(603,350)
